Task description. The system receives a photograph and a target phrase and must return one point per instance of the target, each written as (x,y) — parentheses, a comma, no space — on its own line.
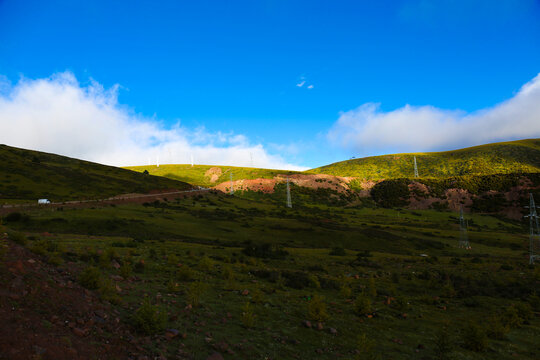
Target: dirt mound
(46,315)
(213,174)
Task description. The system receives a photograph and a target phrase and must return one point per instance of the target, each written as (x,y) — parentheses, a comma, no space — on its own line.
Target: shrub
(345,291)
(149,319)
(371,290)
(206,264)
(248,317)
(139,266)
(365,347)
(317,309)
(296,279)
(265,251)
(90,278)
(314,282)
(256,295)
(55,259)
(338,251)
(172,259)
(16,216)
(108,292)
(391,193)
(184,273)
(194,293)
(534,301)
(510,317)
(443,344)
(362,305)
(474,338)
(172,286)
(126,269)
(17,237)
(496,329)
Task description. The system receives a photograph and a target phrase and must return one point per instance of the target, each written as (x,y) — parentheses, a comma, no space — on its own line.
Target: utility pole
(415,168)
(289,201)
(463,236)
(533,221)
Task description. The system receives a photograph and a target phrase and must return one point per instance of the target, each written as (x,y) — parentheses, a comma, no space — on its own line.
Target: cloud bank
(60,116)
(369,130)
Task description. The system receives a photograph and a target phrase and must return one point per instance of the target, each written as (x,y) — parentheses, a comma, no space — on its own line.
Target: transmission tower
(289,201)
(191,160)
(463,236)
(415,168)
(533,224)
(232,186)
(157,161)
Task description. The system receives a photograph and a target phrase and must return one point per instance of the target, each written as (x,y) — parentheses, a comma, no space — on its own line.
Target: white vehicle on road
(43,201)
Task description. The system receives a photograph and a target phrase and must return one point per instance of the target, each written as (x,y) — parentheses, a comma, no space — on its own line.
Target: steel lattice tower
(533,225)
(289,201)
(463,236)
(232,186)
(415,168)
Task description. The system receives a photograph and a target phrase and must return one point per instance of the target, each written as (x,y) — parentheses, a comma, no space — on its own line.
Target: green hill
(200,175)
(521,156)
(29,175)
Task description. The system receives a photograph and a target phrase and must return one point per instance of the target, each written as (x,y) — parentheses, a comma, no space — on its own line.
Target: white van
(43,201)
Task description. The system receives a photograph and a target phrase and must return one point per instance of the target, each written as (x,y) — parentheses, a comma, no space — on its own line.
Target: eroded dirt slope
(45,314)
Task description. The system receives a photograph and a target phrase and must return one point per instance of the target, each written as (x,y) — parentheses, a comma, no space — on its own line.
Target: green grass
(29,175)
(499,158)
(197,174)
(451,285)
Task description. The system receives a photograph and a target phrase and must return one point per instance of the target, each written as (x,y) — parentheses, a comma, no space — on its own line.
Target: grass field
(499,158)
(196,174)
(243,276)
(27,175)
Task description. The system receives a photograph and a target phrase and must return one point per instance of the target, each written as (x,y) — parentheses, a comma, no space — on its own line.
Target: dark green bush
(265,251)
(149,319)
(90,278)
(474,338)
(17,237)
(391,193)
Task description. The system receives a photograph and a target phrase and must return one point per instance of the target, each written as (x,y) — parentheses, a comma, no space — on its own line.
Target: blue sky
(227,73)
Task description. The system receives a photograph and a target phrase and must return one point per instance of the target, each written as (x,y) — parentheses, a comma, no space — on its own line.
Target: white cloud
(310,87)
(427,128)
(301,83)
(59,115)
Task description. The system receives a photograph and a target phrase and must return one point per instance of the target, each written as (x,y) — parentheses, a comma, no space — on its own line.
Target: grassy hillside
(243,277)
(29,175)
(521,156)
(197,174)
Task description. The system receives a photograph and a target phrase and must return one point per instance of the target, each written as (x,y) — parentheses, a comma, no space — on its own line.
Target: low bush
(248,316)
(90,278)
(338,251)
(474,338)
(265,251)
(149,319)
(17,237)
(317,309)
(362,305)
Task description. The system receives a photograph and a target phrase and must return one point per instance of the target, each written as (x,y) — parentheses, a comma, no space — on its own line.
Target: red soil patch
(46,315)
(337,183)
